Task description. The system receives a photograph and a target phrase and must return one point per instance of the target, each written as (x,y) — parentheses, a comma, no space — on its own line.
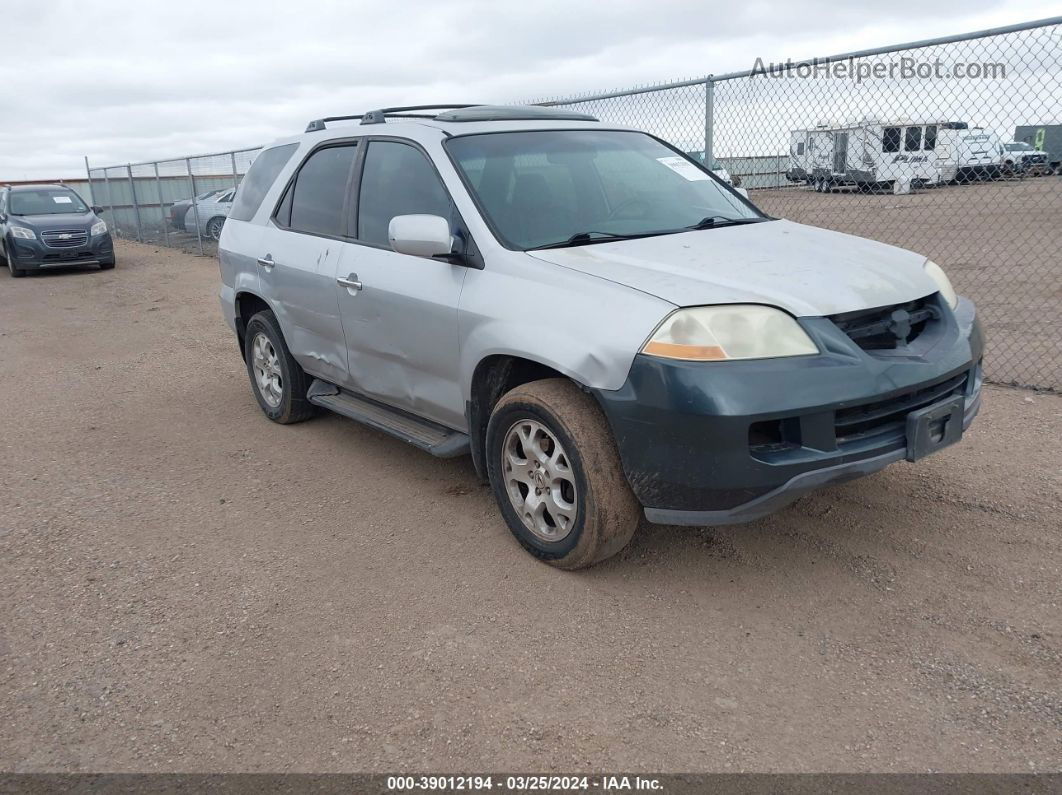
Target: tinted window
(890,139)
(397,180)
(800,148)
(543,187)
(931,137)
(258,179)
(320,189)
(912,140)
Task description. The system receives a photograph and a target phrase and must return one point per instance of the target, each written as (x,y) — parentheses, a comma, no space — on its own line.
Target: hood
(54,220)
(804,270)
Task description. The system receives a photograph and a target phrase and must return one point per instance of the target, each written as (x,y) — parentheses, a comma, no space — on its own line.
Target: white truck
(864,154)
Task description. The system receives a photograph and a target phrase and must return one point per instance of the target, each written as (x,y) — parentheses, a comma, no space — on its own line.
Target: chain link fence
(181,202)
(950,147)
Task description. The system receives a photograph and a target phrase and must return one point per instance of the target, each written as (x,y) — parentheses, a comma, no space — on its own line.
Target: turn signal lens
(723,333)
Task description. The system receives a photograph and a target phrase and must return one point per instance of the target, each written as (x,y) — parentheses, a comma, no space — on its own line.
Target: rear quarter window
(259,178)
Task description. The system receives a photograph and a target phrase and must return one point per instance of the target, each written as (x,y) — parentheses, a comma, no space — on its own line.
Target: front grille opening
(889,415)
(888,327)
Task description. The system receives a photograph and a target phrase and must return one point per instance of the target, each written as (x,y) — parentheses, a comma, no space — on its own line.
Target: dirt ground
(185,586)
(998,241)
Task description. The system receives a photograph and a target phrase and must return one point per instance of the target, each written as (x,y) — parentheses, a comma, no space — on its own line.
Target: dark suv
(44,226)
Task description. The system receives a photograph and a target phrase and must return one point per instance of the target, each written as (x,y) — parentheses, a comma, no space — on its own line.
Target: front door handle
(266,261)
(351,282)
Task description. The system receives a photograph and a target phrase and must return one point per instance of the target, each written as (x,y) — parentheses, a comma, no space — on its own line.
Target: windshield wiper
(712,221)
(583,238)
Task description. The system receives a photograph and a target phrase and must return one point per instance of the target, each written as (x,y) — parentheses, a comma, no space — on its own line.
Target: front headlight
(936,273)
(98,228)
(720,333)
(23,232)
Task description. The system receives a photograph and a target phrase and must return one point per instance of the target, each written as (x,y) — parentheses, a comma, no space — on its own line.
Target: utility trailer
(865,154)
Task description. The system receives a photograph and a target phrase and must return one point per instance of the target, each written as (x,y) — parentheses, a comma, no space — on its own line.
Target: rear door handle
(266,261)
(351,282)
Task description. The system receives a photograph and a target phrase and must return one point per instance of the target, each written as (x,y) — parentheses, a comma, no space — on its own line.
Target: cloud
(131,81)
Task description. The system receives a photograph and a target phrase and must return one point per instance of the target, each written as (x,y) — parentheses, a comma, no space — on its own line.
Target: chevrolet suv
(608,329)
(44,226)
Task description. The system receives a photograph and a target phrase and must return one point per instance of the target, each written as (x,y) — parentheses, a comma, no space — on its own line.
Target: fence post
(88,174)
(709,120)
(162,207)
(110,204)
(136,206)
(195,204)
(235,174)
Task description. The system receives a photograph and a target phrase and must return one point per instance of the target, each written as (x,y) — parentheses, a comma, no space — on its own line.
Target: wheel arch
(494,376)
(248,304)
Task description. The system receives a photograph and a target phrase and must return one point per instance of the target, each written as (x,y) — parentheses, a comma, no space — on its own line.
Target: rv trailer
(965,153)
(865,154)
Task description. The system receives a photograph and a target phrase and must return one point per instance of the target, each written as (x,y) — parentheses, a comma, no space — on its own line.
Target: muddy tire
(278,383)
(556,475)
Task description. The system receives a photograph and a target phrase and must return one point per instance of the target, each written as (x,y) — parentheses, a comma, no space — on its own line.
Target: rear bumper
(34,255)
(707,443)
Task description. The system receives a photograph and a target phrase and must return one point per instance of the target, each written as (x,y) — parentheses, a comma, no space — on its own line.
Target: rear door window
(259,179)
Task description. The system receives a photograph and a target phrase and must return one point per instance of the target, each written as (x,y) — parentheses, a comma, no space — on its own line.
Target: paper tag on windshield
(62,200)
(683,168)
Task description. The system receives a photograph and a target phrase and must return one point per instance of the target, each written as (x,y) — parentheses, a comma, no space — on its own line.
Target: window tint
(397,180)
(931,137)
(259,178)
(320,189)
(890,139)
(912,140)
(800,148)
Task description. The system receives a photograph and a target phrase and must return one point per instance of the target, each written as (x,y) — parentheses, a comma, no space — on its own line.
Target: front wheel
(556,475)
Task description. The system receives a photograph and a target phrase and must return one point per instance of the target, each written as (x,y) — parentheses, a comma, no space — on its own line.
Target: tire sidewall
(497,428)
(210,228)
(264,323)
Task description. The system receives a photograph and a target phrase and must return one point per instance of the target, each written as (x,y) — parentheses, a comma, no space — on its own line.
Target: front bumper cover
(34,254)
(730,442)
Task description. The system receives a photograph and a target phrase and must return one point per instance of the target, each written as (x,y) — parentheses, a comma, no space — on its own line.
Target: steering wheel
(634,200)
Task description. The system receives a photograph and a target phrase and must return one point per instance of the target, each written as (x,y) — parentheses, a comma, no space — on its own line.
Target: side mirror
(420,235)
(743,191)
(96,209)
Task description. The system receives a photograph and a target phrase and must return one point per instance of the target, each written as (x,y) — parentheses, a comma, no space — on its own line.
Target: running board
(438,440)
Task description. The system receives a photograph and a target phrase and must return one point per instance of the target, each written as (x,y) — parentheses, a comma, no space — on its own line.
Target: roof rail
(380,116)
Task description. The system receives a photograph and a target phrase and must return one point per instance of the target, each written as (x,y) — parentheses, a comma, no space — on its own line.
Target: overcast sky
(130,81)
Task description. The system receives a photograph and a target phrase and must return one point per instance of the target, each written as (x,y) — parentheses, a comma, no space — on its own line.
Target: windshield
(545,188)
(46,201)
(1018,147)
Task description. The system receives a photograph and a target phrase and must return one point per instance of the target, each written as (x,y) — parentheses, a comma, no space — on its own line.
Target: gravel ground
(186,586)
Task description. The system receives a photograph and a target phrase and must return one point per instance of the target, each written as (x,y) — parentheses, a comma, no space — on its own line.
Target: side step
(438,440)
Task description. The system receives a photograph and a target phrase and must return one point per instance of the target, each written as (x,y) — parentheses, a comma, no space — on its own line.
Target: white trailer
(967,153)
(865,154)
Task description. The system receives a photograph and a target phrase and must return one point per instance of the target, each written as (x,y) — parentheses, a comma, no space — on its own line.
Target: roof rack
(458,113)
(380,116)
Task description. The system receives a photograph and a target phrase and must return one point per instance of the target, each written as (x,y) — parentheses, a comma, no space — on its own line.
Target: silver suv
(606,327)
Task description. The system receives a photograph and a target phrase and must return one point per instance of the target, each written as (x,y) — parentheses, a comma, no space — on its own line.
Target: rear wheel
(214,226)
(278,383)
(557,477)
